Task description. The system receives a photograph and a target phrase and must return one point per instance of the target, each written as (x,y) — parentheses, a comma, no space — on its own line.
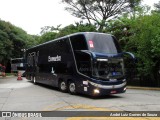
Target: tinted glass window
(17,61)
(78,42)
(103,43)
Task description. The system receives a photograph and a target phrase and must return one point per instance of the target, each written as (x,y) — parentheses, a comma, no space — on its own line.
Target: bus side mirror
(132,56)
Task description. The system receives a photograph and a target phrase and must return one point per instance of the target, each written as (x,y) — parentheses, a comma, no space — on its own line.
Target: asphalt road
(25,96)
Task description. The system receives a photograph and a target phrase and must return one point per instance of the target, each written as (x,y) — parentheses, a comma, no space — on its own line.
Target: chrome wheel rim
(63,86)
(34,79)
(72,88)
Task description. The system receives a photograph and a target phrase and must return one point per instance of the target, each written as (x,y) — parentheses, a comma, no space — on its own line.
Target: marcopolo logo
(52,59)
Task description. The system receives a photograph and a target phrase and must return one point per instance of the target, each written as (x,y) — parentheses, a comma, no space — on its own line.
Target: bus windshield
(15,61)
(103,43)
(108,68)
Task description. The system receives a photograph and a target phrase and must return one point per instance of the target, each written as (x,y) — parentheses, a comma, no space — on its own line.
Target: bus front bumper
(100,90)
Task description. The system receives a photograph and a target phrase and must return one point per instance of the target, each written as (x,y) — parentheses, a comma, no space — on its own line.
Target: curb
(143,88)
(7,76)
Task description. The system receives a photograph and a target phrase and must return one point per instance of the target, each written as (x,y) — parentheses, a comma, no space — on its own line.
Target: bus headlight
(96,91)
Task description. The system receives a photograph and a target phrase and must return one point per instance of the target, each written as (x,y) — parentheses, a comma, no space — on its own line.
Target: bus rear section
(18,65)
(89,63)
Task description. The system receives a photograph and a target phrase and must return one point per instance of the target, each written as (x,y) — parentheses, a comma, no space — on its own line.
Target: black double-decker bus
(88,62)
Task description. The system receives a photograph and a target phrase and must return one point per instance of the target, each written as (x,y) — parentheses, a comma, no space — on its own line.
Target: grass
(9,74)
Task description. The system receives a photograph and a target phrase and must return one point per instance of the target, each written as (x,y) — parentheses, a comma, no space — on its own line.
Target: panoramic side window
(78,42)
(83,63)
(82,59)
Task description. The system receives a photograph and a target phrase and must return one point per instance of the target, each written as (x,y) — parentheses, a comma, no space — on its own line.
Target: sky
(32,15)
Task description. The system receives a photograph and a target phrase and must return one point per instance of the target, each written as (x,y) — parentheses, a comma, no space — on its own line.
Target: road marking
(52,107)
(94,108)
(73,107)
(55,107)
(82,106)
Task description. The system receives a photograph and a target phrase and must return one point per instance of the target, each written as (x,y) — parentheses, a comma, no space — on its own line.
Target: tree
(146,39)
(157,6)
(78,27)
(47,37)
(12,40)
(6,47)
(46,29)
(141,36)
(51,32)
(99,11)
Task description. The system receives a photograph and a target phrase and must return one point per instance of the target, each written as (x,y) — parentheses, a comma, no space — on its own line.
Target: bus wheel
(72,87)
(63,86)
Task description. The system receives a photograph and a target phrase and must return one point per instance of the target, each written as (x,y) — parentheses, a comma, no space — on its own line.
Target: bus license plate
(113,92)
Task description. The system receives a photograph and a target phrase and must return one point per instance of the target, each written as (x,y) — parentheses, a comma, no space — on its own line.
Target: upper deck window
(103,43)
(78,42)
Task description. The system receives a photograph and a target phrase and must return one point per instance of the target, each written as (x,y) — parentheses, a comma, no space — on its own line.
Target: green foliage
(12,40)
(157,7)
(79,27)
(147,30)
(6,46)
(142,37)
(47,37)
(54,33)
(156,46)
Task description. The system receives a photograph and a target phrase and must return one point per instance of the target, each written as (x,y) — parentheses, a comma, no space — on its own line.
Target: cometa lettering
(52,59)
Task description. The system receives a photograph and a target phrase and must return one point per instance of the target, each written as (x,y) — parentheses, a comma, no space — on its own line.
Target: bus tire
(63,86)
(72,87)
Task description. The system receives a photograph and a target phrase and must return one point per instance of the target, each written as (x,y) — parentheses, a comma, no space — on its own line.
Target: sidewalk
(143,88)
(7,76)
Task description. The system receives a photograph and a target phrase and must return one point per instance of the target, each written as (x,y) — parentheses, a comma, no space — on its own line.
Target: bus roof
(79,33)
